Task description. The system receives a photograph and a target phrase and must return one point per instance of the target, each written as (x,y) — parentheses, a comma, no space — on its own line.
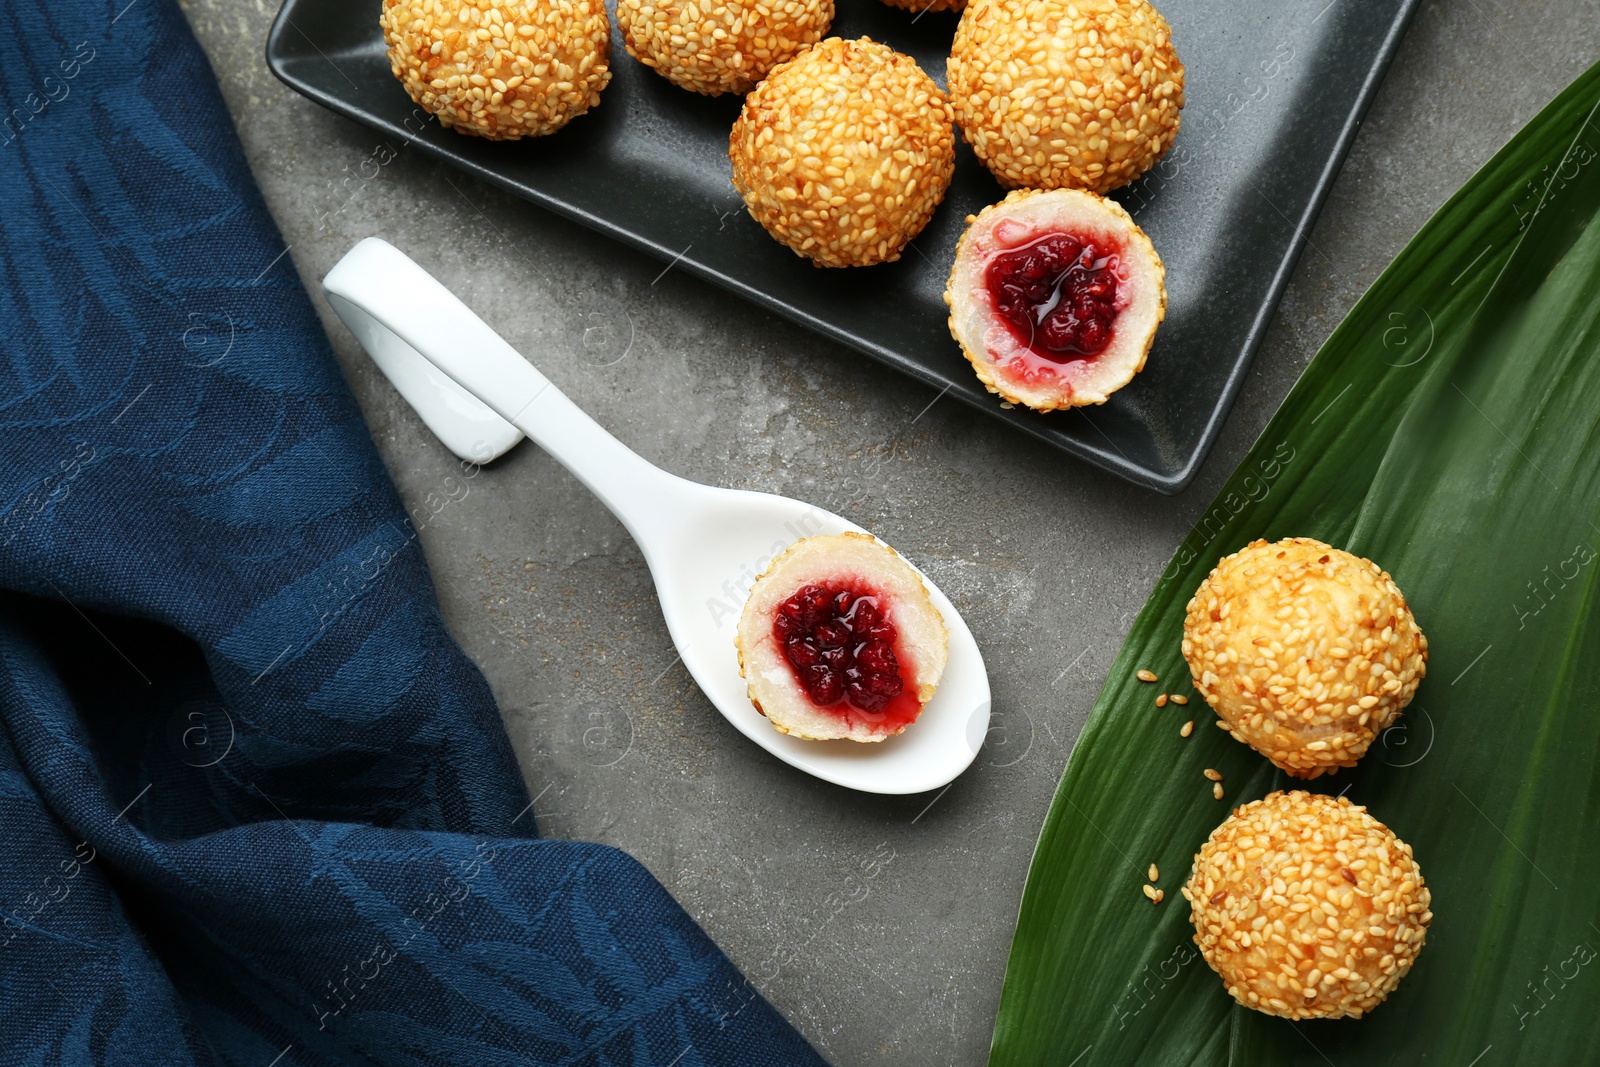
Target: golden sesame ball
(843,152)
(1305,652)
(1307,906)
(1051,94)
(719,46)
(919,6)
(500,68)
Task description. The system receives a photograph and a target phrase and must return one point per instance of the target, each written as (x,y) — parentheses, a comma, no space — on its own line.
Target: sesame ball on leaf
(1053,94)
(843,152)
(719,46)
(1304,651)
(1308,907)
(500,69)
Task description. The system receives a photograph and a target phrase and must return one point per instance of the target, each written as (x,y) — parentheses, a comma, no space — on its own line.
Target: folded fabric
(256,807)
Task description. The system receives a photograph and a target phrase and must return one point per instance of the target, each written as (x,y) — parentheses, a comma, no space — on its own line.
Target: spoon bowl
(704,545)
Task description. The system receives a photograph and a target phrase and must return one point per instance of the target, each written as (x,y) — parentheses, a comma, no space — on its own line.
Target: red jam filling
(1057,295)
(844,651)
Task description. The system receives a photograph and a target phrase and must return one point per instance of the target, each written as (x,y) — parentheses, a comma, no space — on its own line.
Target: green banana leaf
(1449,430)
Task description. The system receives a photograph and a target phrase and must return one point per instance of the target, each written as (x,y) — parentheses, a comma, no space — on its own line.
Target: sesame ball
(1019,274)
(1051,94)
(882,601)
(1307,906)
(1305,652)
(500,69)
(843,152)
(719,46)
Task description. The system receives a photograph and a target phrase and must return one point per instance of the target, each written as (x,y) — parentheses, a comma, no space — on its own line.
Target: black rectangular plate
(1276,90)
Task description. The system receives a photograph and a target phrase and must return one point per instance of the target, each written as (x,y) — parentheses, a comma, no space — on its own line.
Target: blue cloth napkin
(256,807)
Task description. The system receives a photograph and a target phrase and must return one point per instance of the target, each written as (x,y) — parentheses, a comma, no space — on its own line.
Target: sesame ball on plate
(1304,651)
(1307,906)
(843,152)
(500,69)
(1052,94)
(719,46)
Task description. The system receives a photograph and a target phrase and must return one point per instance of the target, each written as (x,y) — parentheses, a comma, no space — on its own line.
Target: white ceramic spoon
(704,545)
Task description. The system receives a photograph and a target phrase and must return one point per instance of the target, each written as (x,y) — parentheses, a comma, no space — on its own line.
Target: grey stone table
(880,926)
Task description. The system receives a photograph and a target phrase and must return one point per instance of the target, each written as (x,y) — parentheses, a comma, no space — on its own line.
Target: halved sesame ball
(1307,906)
(1055,297)
(843,152)
(1079,94)
(719,46)
(839,639)
(500,69)
(1305,652)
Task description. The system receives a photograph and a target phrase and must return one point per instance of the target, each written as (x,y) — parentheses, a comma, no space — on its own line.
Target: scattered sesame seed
(1213,774)
(1187,729)
(1305,652)
(1161,894)
(1146,676)
(1216,790)
(1161,701)
(1150,891)
(1179,699)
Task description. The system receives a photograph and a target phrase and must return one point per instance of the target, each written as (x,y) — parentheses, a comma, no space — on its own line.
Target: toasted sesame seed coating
(1305,652)
(1307,906)
(843,152)
(719,46)
(500,69)
(1080,94)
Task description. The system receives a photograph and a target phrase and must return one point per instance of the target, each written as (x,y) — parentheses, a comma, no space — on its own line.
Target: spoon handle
(376,287)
